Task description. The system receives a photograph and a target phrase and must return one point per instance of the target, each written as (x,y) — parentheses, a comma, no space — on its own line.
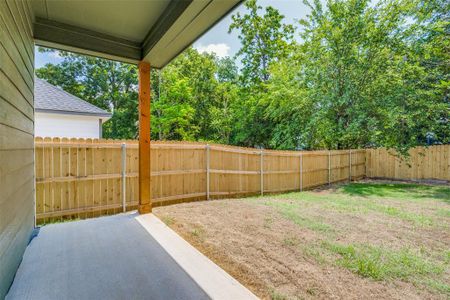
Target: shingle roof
(49,98)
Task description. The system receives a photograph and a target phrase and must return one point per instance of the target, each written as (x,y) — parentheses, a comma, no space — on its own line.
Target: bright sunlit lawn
(357,241)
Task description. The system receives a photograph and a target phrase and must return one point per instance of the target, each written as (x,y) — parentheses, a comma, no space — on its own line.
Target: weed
(290,241)
(291,212)
(198,232)
(274,295)
(268,223)
(168,220)
(381,263)
(311,291)
(315,252)
(443,212)
(439,286)
(59,220)
(447,257)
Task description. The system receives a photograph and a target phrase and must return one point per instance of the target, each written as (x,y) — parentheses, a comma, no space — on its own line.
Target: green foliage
(361,74)
(107,84)
(264,39)
(195,98)
(360,79)
(172,113)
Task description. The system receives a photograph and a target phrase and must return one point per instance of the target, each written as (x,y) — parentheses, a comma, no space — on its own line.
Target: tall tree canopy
(359,78)
(360,74)
(264,40)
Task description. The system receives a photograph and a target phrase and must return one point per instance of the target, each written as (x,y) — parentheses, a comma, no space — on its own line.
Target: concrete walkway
(118,257)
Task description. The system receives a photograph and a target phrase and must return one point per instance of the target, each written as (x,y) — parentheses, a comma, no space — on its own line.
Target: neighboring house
(60,114)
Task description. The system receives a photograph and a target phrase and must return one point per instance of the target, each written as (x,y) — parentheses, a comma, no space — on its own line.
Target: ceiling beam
(163,24)
(72,38)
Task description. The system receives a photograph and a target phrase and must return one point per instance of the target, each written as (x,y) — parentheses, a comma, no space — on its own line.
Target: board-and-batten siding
(16,136)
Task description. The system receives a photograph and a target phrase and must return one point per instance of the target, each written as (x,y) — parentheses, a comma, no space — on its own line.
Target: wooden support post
(124,177)
(207,171)
(145,204)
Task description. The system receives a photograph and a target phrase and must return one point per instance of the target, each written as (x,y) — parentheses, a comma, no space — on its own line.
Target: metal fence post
(301,172)
(124,182)
(207,171)
(350,165)
(262,173)
(329,167)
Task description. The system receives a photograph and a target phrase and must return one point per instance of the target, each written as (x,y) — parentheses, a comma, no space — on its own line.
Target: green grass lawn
(406,210)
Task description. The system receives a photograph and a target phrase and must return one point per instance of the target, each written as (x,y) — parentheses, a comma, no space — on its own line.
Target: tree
(172,113)
(360,80)
(264,38)
(107,84)
(362,74)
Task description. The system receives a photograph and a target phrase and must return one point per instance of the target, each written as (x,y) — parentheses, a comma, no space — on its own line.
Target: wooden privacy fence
(431,163)
(88,177)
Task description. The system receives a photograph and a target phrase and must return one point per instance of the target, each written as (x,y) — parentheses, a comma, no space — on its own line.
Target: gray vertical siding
(16,136)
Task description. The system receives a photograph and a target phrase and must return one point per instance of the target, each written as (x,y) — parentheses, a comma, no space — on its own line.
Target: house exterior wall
(66,125)
(17,191)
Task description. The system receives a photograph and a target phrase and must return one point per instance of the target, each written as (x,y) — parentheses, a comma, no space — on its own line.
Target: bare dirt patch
(356,242)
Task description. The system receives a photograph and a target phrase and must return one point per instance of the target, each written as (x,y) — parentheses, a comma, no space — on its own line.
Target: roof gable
(49,98)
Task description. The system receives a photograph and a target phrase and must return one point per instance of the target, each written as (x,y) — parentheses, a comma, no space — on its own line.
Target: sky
(217,39)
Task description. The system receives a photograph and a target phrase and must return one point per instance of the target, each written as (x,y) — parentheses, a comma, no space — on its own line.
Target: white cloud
(55,54)
(221,49)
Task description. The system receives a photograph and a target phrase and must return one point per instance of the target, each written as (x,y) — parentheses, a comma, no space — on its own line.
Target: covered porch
(126,256)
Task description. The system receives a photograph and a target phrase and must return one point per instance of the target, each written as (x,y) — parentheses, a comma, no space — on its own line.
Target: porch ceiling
(130,31)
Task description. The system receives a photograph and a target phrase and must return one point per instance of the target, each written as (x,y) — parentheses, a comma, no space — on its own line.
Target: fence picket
(88,178)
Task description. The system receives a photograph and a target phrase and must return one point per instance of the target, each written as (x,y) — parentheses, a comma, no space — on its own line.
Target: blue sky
(217,39)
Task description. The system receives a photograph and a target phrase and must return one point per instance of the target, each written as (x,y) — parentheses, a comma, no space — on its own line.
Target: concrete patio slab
(110,257)
(217,283)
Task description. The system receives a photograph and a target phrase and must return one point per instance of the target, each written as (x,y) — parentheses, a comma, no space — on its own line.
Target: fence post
(262,172)
(124,181)
(365,163)
(301,172)
(207,171)
(350,165)
(329,167)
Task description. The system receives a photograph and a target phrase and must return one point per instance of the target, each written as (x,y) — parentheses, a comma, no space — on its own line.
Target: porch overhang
(147,33)
(128,31)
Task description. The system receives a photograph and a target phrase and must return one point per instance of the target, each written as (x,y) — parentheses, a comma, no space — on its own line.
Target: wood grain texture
(423,163)
(178,174)
(92,186)
(145,205)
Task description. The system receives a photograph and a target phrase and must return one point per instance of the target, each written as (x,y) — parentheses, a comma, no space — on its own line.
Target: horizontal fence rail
(82,178)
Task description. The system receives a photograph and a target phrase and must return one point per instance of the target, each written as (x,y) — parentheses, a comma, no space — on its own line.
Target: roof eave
(163,42)
(78,113)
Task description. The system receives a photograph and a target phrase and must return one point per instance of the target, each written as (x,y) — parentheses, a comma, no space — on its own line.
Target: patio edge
(217,283)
